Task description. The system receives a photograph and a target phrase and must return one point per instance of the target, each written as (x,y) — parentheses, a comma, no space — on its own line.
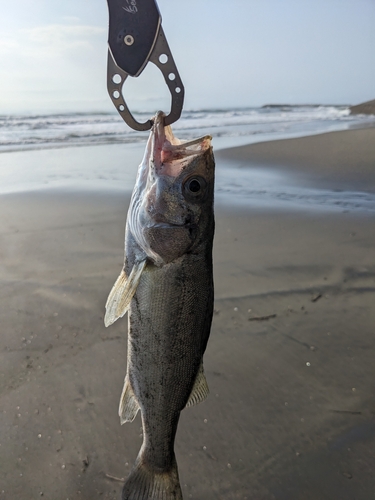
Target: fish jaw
(164,215)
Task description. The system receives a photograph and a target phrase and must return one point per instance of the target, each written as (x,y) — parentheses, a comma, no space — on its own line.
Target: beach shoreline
(289,362)
(328,172)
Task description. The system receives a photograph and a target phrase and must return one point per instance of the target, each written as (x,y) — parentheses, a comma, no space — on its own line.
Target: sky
(229,53)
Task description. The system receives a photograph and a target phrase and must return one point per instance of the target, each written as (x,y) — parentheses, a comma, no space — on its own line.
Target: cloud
(63,37)
(52,63)
(8,45)
(30,46)
(71,19)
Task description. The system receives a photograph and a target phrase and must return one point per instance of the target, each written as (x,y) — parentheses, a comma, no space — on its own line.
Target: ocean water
(228,127)
(41,152)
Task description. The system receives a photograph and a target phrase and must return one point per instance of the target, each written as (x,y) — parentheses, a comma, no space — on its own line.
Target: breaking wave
(82,129)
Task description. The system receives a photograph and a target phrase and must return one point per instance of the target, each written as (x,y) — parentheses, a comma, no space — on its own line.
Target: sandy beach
(290,362)
(335,160)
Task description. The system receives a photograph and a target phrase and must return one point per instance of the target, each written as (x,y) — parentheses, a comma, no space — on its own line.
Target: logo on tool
(132,6)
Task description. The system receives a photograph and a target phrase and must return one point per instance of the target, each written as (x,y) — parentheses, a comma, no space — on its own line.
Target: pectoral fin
(120,296)
(129,406)
(200,388)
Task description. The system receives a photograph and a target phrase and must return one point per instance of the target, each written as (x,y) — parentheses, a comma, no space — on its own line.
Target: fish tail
(145,483)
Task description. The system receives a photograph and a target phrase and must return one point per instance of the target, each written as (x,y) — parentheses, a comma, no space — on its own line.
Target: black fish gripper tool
(135,38)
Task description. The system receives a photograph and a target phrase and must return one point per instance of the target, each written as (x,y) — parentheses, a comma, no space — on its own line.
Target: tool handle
(135,38)
(133,30)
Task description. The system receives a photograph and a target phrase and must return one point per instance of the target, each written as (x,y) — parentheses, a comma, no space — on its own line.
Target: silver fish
(167,286)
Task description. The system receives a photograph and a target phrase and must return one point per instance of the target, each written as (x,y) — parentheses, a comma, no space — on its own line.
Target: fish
(166,286)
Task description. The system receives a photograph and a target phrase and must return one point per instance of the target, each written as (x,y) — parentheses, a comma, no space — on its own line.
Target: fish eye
(195,186)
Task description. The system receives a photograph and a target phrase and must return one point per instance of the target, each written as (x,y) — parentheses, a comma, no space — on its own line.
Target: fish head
(172,204)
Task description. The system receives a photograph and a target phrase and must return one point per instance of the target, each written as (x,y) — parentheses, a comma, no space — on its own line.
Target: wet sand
(290,362)
(335,160)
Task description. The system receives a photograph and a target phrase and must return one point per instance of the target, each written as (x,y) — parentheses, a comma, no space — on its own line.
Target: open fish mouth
(168,152)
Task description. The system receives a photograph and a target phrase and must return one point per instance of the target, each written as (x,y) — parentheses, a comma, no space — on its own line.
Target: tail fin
(144,483)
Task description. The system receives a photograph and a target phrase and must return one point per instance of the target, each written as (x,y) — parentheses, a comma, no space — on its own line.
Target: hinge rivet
(128,40)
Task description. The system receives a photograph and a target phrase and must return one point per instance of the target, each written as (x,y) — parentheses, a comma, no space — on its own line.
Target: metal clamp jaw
(135,38)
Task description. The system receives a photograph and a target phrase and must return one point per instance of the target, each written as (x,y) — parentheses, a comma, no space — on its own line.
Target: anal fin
(129,406)
(122,292)
(200,389)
